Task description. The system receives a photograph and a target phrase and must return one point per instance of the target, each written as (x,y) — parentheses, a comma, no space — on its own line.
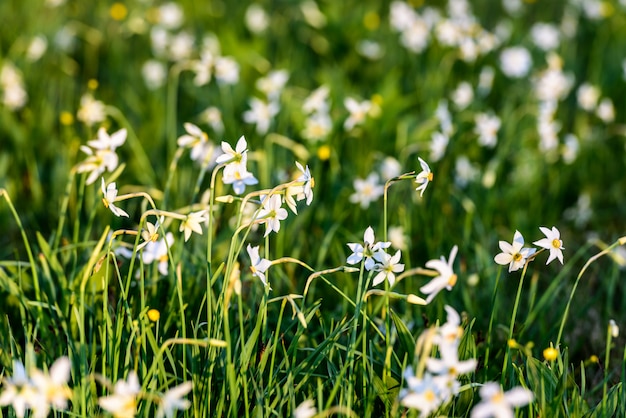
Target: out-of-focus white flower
(171,15)
(192,223)
(515,62)
(587,96)
(443,115)
(390,168)
(438,144)
(101,154)
(273,83)
(487,127)
(416,37)
(213,116)
(423,393)
(37,47)
(317,127)
(172,400)
(198,141)
(499,404)
(305,410)
(570,148)
(552,84)
(358,111)
(370,49)
(154,74)
(312,14)
(401,16)
(545,36)
(91,111)
(464,171)
(613,329)
(317,101)
(581,212)
(485,80)
(110,194)
(181,46)
(256,18)
(606,110)
(51,388)
(261,114)
(463,95)
(398,238)
(123,401)
(367,190)
(226,70)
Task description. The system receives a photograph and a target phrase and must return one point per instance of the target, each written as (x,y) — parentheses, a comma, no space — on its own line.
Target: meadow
(289,208)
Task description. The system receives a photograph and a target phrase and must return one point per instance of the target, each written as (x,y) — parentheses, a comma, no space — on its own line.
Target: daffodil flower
(272,213)
(52,387)
(387,265)
(423,177)
(366,250)
(18,390)
(423,393)
(123,401)
(97,162)
(172,400)
(358,111)
(233,155)
(236,173)
(551,242)
(497,403)
(106,141)
(110,194)
(258,265)
(192,223)
(514,254)
(197,141)
(302,189)
(446,278)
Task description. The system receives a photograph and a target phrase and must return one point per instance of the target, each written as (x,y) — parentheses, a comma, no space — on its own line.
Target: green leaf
(406,339)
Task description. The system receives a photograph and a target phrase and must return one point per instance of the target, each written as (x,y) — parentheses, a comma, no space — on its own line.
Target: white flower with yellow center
(551,242)
(514,254)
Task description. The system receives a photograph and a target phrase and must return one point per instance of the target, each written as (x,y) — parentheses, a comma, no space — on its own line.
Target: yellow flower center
(556,243)
(517,257)
(430,176)
(429,395)
(452,280)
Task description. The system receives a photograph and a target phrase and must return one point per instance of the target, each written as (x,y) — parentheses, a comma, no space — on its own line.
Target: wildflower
(272,213)
(551,242)
(104,141)
(150,233)
(463,95)
(158,251)
(387,265)
(110,193)
(358,112)
(500,404)
(14,96)
(464,171)
(258,265)
(213,117)
(515,62)
(446,278)
(487,127)
(397,238)
(449,334)
(448,368)
(366,190)
(91,111)
(570,148)
(18,391)
(51,388)
(422,393)
(587,96)
(171,15)
(550,353)
(514,254)
(423,177)
(273,83)
(154,74)
(317,102)
(390,168)
(439,143)
(545,36)
(197,140)
(256,19)
(261,114)
(192,223)
(305,410)
(366,251)
(613,329)
(154,315)
(123,402)
(302,190)
(606,110)
(172,400)
(317,126)
(226,70)
(231,155)
(237,174)
(97,162)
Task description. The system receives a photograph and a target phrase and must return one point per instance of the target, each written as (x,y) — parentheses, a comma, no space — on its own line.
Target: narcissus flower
(387,265)
(123,401)
(258,265)
(110,193)
(446,278)
(233,155)
(423,177)
(172,400)
(366,250)
(551,242)
(514,254)
(192,223)
(272,213)
(500,404)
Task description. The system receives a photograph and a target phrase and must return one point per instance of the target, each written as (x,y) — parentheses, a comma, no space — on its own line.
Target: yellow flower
(550,353)
(323,152)
(154,315)
(118,11)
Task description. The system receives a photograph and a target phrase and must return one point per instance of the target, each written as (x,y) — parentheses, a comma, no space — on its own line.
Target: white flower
(258,265)
(358,112)
(104,141)
(317,102)
(423,177)
(192,223)
(157,251)
(515,62)
(261,114)
(305,410)
(423,394)
(301,190)
(213,116)
(273,83)
(154,74)
(390,168)
(463,95)
(51,388)
(171,15)
(110,193)
(545,36)
(587,96)
(551,242)
(439,143)
(387,265)
(197,141)
(513,254)
(613,328)
(446,278)
(367,250)
(18,391)
(91,111)
(256,19)
(487,127)
(97,162)
(233,155)
(367,190)
(172,400)
(397,238)
(272,213)
(606,110)
(317,126)
(123,402)
(237,174)
(499,404)
(226,70)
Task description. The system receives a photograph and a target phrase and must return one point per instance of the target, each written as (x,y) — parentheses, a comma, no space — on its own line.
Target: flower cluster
(515,255)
